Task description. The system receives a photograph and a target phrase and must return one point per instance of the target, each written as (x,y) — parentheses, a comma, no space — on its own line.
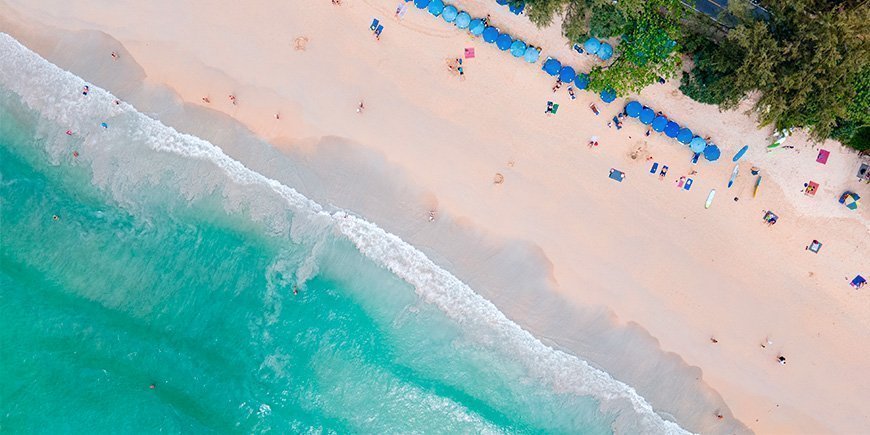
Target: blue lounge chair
(374,24)
(654,168)
(688,184)
(379,30)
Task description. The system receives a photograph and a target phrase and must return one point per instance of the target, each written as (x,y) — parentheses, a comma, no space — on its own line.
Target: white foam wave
(26,74)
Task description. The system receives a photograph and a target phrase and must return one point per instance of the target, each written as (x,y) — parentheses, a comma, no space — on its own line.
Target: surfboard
(710,198)
(740,153)
(733,175)
(757,183)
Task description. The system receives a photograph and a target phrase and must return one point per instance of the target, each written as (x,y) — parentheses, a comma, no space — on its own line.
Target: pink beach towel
(823,156)
(469,53)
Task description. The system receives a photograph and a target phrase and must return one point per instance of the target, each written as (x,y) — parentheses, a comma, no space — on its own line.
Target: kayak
(710,198)
(740,153)
(757,183)
(733,175)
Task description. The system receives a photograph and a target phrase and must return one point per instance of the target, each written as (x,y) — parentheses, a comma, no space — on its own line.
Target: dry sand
(644,249)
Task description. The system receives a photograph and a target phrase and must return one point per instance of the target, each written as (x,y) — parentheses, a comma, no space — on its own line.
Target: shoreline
(529,177)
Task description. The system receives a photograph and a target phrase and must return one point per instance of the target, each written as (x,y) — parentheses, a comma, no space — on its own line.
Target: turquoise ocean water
(171,264)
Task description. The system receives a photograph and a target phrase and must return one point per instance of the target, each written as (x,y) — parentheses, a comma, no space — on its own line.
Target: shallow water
(172,264)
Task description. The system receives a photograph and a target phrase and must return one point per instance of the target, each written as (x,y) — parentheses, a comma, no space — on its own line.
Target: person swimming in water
(55,217)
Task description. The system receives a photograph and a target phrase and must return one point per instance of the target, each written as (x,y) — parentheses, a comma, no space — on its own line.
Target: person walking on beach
(361,107)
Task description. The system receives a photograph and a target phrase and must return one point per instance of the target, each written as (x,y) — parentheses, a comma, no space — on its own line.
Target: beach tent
(581,81)
(476,27)
(532,54)
(608,95)
(552,66)
(421,4)
(850,200)
(518,48)
(697,144)
(567,74)
(659,123)
(449,13)
(605,51)
(592,45)
(647,115)
(436,7)
(672,129)
(712,153)
(462,20)
(504,41)
(633,109)
(685,136)
(490,34)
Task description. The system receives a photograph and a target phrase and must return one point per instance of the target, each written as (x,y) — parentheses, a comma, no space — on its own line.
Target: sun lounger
(594,109)
(695,158)
(688,185)
(379,30)
(578,48)
(374,25)
(655,167)
(616,175)
(617,123)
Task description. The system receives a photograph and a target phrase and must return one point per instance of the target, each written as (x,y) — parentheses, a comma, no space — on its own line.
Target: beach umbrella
(532,54)
(567,74)
(608,95)
(712,153)
(518,48)
(552,66)
(672,129)
(476,27)
(633,109)
(605,51)
(647,115)
(449,13)
(850,200)
(462,20)
(517,7)
(490,34)
(504,41)
(502,2)
(592,45)
(697,144)
(581,81)
(436,7)
(685,136)
(659,124)
(421,4)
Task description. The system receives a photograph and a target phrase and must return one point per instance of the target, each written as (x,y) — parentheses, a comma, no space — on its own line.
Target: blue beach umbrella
(697,144)
(504,41)
(421,4)
(490,34)
(436,7)
(685,136)
(605,51)
(581,81)
(567,74)
(647,115)
(476,27)
(633,109)
(672,129)
(659,123)
(518,48)
(712,153)
(462,20)
(608,95)
(502,2)
(552,67)
(532,54)
(592,45)
(449,13)
(517,7)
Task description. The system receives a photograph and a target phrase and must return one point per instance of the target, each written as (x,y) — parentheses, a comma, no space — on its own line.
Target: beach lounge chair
(594,109)
(688,185)
(374,25)
(655,167)
(695,158)
(379,30)
(617,123)
(616,175)
(578,48)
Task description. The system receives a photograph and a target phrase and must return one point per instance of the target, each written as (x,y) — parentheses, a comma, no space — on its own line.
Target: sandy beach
(559,247)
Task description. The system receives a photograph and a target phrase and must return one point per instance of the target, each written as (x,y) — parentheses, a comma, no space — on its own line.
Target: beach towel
(858,282)
(379,30)
(811,188)
(663,172)
(374,24)
(654,168)
(815,246)
(555,108)
(688,184)
(823,156)
(695,158)
(469,53)
(616,175)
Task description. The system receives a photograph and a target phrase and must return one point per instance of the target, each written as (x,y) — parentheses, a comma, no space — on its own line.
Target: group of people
(455,66)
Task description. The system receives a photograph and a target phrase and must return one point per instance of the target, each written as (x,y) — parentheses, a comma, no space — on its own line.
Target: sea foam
(57,95)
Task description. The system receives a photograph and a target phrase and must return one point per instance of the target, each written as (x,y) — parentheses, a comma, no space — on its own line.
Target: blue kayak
(740,153)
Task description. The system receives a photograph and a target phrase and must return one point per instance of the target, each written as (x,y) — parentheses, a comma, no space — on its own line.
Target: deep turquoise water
(167,265)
